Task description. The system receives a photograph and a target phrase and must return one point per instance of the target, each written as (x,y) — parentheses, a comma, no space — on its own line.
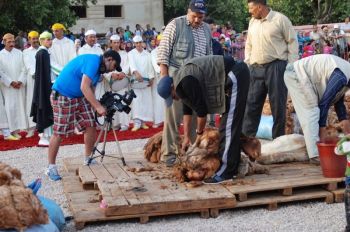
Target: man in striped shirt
(184,37)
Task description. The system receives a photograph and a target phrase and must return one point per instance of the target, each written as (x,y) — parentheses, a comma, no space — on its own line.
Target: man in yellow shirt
(271,44)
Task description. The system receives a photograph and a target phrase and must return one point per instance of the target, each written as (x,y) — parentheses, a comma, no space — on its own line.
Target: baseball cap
(164,90)
(115,56)
(198,6)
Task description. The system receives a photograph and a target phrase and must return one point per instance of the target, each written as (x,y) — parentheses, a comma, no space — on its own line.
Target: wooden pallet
(283,178)
(339,195)
(141,195)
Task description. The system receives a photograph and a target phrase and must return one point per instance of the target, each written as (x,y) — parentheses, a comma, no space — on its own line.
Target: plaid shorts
(69,113)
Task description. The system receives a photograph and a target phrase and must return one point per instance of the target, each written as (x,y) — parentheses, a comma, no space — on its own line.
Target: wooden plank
(101,172)
(87,177)
(299,195)
(338,195)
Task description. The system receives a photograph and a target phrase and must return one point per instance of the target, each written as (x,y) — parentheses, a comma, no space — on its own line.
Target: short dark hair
(262,2)
(209,20)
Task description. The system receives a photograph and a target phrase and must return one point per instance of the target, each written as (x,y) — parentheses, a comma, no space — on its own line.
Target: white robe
(3,118)
(61,52)
(122,118)
(101,86)
(29,65)
(12,65)
(158,101)
(142,105)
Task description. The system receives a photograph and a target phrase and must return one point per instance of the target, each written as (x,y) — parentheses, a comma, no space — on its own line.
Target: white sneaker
(124,128)
(44,142)
(30,133)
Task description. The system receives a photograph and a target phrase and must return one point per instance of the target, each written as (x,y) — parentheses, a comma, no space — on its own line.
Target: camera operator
(73,100)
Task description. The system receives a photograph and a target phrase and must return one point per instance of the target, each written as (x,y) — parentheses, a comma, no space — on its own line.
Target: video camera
(116,102)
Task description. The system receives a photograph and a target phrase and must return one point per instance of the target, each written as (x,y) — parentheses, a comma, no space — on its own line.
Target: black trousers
(266,79)
(231,121)
(347,207)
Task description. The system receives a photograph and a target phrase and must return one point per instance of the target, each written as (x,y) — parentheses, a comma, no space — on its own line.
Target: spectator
(346,28)
(20,41)
(139,30)
(141,67)
(127,34)
(29,65)
(268,59)
(13,89)
(82,36)
(338,40)
(148,35)
(179,36)
(109,33)
(309,49)
(77,44)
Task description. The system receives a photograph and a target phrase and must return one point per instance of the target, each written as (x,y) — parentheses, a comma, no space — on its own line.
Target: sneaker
(44,142)
(18,136)
(52,173)
(30,133)
(135,128)
(92,162)
(216,180)
(11,138)
(156,125)
(315,160)
(145,127)
(124,128)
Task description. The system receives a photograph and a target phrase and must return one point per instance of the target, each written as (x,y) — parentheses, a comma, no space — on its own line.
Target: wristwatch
(199,132)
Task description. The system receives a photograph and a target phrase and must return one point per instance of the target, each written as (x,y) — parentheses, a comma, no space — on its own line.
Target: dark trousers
(231,121)
(266,79)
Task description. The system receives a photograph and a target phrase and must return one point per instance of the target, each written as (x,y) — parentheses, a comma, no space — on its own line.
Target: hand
(185,143)
(150,82)
(14,84)
(118,76)
(345,124)
(19,84)
(101,110)
(138,76)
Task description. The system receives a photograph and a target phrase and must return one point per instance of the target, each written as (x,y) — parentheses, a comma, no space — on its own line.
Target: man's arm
(290,37)
(165,48)
(86,88)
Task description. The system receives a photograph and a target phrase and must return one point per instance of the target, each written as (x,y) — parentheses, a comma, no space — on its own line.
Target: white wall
(134,12)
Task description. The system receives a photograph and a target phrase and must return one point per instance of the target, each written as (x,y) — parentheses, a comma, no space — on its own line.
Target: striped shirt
(168,40)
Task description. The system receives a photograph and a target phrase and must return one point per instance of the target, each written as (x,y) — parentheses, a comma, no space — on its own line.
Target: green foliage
(300,12)
(36,14)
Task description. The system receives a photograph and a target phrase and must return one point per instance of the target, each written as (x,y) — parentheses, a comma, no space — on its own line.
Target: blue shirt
(69,81)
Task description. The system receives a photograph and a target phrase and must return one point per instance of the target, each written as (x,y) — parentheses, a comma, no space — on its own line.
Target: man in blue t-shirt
(73,101)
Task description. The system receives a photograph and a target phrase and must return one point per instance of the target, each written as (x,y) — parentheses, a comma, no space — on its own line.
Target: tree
(222,11)
(36,14)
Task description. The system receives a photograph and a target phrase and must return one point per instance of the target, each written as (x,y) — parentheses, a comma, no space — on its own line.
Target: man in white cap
(121,119)
(141,67)
(29,65)
(91,46)
(13,89)
(62,49)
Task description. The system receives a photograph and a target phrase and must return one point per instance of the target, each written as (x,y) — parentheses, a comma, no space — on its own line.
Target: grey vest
(183,48)
(210,72)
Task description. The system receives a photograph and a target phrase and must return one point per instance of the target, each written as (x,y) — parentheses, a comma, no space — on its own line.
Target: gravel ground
(309,216)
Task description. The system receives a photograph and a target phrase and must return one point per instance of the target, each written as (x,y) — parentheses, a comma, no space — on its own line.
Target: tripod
(106,126)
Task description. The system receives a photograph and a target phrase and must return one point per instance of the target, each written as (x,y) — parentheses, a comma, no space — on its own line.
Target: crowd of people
(326,39)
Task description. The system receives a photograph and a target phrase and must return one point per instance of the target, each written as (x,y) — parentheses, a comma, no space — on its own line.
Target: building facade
(119,13)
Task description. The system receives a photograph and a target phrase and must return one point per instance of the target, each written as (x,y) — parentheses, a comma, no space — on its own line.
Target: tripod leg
(95,145)
(106,128)
(118,148)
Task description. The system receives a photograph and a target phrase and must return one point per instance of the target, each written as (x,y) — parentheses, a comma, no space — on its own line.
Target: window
(79,11)
(113,11)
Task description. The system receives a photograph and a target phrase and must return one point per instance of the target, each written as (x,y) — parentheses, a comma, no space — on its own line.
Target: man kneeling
(73,100)
(212,85)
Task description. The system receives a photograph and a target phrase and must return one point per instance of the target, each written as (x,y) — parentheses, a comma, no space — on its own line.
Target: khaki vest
(210,72)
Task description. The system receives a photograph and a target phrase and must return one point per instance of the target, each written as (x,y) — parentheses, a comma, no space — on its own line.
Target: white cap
(115,38)
(137,39)
(336,26)
(90,32)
